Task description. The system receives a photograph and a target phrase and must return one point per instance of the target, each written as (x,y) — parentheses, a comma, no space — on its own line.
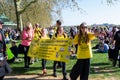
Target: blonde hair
(29,25)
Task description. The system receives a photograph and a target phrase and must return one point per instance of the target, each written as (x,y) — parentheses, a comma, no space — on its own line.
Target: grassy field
(101,68)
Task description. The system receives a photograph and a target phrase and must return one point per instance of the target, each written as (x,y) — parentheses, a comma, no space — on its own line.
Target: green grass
(100,67)
(36,67)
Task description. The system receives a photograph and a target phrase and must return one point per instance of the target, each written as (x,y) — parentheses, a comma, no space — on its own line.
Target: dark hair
(80,35)
(37,24)
(57,32)
(59,22)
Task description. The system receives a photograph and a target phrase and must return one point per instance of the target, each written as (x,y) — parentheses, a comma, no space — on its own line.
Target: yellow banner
(56,49)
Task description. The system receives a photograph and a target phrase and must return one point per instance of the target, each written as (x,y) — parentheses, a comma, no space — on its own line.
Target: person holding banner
(44,36)
(84,53)
(60,35)
(37,31)
(27,36)
(58,24)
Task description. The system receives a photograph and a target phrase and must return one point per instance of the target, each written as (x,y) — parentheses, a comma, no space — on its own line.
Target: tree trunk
(21,23)
(17,15)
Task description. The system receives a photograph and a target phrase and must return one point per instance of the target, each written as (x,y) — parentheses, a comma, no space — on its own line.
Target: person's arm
(25,36)
(114,39)
(114,42)
(75,40)
(4,50)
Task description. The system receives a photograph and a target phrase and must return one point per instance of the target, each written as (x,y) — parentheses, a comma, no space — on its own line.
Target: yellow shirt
(55,29)
(59,37)
(45,37)
(37,33)
(84,50)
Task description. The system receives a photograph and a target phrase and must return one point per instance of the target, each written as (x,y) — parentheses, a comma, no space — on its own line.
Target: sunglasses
(83,27)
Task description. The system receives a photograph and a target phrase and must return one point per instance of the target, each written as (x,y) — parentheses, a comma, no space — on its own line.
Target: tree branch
(26,6)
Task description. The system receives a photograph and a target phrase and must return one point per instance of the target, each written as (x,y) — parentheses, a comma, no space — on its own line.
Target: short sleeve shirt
(84,50)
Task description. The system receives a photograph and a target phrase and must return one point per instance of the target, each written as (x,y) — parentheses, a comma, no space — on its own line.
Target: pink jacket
(27,37)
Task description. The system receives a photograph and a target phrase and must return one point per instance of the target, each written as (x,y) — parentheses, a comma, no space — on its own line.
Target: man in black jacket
(4,67)
(116,42)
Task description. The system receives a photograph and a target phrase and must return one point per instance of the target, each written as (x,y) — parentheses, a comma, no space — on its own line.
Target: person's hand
(71,37)
(6,57)
(53,38)
(0,37)
(1,63)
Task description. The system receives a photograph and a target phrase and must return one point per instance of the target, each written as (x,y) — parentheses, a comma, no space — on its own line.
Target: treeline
(37,11)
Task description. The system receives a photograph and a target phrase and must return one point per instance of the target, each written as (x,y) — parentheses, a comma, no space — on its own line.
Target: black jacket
(2,43)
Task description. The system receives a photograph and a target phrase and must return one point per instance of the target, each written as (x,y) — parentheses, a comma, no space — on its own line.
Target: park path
(48,77)
(31,77)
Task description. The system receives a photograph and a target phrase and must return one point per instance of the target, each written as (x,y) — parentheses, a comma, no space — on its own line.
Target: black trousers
(63,67)
(81,68)
(26,58)
(115,58)
(44,64)
(1,77)
(11,60)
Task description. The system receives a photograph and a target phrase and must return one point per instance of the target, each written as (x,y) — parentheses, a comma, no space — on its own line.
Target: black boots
(65,78)
(55,74)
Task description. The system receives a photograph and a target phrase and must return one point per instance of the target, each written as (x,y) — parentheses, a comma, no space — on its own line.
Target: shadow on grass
(21,75)
(73,57)
(99,64)
(101,68)
(31,70)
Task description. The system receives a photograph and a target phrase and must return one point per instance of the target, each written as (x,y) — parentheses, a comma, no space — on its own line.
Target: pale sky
(93,12)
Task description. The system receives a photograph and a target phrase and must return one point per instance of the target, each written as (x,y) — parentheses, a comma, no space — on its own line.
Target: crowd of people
(82,36)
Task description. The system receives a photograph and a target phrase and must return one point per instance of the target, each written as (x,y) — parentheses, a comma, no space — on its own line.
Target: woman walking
(27,36)
(60,35)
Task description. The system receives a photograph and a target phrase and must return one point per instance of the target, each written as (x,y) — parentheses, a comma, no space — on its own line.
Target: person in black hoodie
(116,42)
